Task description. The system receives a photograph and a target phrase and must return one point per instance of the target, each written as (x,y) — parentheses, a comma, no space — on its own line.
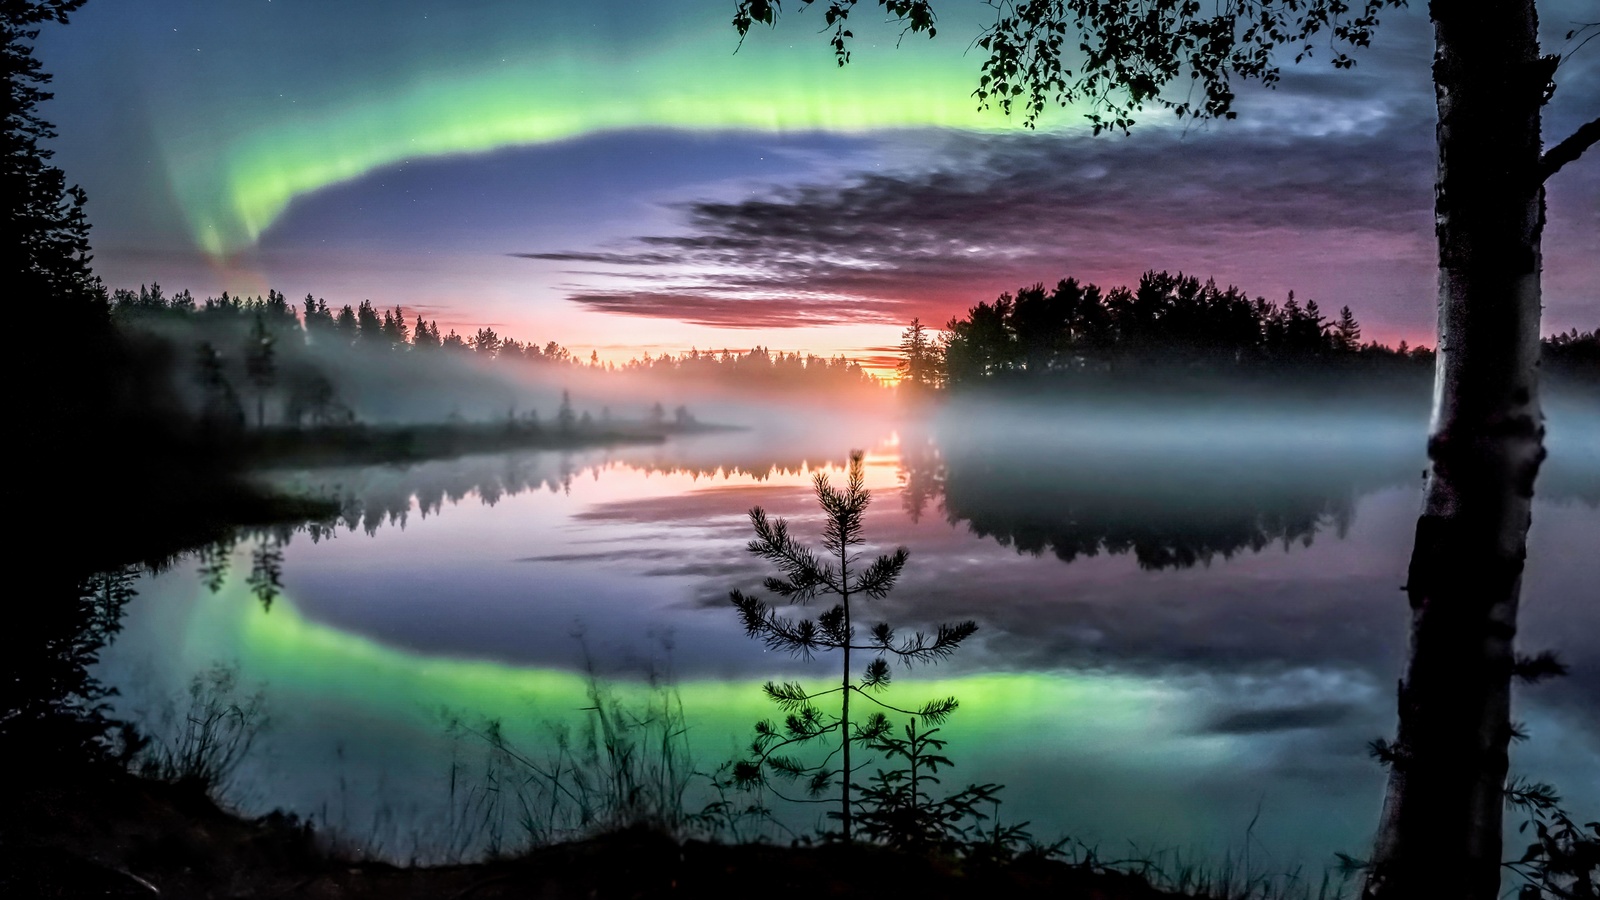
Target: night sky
(612,175)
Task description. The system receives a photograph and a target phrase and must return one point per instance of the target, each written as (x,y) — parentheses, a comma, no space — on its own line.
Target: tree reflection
(1167,509)
(266,570)
(369,498)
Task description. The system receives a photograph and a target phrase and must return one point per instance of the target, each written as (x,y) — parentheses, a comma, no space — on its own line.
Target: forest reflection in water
(1225,630)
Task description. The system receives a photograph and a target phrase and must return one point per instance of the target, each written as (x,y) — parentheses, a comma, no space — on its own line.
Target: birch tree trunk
(1440,833)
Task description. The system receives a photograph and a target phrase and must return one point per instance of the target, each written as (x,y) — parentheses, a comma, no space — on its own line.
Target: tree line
(256,360)
(1168,323)
(758,367)
(361,325)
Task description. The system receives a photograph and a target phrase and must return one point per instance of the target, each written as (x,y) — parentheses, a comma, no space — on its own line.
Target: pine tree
(804,576)
(919,358)
(319,321)
(46,219)
(485,341)
(369,326)
(424,337)
(347,325)
(1348,331)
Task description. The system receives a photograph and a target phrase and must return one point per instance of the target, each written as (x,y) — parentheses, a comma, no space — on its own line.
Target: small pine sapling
(897,809)
(806,575)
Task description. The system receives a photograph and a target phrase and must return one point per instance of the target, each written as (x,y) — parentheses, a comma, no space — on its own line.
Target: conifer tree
(485,342)
(805,575)
(1348,331)
(919,358)
(319,323)
(423,336)
(347,325)
(394,328)
(368,323)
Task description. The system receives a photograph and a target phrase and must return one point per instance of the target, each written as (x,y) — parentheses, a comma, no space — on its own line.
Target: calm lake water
(1185,623)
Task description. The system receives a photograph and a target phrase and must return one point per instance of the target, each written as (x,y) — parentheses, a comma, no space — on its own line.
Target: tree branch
(1569,149)
(891,707)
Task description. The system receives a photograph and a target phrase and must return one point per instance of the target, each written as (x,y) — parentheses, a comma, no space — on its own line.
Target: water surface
(1184,625)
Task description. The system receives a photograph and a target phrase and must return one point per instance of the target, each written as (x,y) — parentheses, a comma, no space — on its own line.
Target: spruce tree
(919,358)
(1348,331)
(347,325)
(839,571)
(368,324)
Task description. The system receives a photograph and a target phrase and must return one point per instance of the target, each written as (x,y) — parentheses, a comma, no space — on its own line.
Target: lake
(1190,625)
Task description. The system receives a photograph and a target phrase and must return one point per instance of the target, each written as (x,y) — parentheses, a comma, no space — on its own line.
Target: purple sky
(656,221)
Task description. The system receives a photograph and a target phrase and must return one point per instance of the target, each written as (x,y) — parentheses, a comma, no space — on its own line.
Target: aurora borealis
(232,187)
(572,171)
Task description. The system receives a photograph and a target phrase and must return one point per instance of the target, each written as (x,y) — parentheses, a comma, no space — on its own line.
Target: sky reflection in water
(1225,635)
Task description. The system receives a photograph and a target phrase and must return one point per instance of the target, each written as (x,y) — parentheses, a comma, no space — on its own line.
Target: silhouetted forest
(252,363)
(759,368)
(262,359)
(100,433)
(1574,355)
(1079,334)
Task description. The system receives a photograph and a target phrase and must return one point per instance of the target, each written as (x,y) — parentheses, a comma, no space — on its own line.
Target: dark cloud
(629,259)
(1265,211)
(724,306)
(1327,191)
(879,361)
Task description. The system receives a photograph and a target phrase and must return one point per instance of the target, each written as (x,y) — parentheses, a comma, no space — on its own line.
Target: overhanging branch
(1569,149)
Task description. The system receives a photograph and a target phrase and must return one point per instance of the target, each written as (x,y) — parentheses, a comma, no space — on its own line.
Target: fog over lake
(1184,620)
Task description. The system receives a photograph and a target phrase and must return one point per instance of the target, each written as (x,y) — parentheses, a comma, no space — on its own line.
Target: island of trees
(1078,334)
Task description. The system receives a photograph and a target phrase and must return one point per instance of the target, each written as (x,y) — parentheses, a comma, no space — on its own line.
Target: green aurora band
(235,179)
(1004,717)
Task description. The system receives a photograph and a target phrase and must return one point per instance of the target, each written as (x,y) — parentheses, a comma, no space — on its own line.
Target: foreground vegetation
(615,809)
